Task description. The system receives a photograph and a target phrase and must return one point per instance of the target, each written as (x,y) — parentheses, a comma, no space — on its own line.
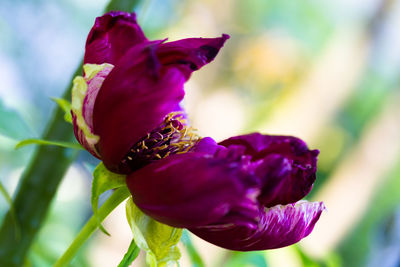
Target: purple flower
(138,83)
(241,194)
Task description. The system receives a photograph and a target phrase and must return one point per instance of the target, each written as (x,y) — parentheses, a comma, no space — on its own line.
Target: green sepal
(66,106)
(34,141)
(104,180)
(130,255)
(157,239)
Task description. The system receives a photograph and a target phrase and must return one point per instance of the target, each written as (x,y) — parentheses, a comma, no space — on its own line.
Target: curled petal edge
(285,165)
(84,92)
(278,226)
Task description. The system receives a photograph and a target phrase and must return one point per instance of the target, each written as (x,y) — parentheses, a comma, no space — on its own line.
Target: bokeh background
(325,71)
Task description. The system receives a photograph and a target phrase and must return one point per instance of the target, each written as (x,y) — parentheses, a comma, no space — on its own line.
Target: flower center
(173,136)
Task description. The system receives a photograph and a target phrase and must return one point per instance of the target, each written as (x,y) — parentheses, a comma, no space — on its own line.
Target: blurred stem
(12,211)
(191,249)
(111,203)
(41,179)
(36,189)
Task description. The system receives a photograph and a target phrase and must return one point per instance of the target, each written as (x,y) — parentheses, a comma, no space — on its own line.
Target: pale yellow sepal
(157,239)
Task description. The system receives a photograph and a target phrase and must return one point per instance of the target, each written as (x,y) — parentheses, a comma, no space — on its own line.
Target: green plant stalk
(36,189)
(130,255)
(111,203)
(41,179)
(12,210)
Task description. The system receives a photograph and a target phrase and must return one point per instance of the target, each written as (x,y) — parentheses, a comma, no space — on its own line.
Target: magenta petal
(190,54)
(80,136)
(94,86)
(206,145)
(277,227)
(188,190)
(84,93)
(134,98)
(285,166)
(111,37)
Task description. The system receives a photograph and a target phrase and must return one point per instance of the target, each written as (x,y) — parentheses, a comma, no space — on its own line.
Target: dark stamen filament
(173,136)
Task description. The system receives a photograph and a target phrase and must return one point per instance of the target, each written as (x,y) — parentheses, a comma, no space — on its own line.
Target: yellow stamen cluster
(172,137)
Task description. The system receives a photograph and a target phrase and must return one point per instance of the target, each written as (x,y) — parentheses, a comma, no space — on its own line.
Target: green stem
(41,179)
(35,192)
(130,255)
(12,210)
(111,203)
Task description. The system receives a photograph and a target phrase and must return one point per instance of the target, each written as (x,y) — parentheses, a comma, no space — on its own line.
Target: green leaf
(130,255)
(12,124)
(191,249)
(157,239)
(64,105)
(33,141)
(104,180)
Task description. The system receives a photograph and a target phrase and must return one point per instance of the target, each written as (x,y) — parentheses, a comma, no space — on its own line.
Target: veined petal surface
(277,227)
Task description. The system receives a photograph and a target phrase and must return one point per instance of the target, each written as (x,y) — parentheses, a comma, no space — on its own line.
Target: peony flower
(242,193)
(130,86)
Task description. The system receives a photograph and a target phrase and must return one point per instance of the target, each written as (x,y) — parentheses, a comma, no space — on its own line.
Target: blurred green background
(325,71)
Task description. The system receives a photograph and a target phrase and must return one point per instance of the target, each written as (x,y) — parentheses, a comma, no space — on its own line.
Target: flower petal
(144,86)
(95,75)
(190,54)
(206,145)
(111,37)
(284,164)
(192,189)
(135,97)
(84,92)
(277,227)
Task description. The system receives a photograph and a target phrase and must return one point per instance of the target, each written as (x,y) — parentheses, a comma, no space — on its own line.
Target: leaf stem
(33,141)
(111,203)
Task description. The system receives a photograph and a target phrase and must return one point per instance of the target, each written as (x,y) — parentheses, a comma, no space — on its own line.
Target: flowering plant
(241,194)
